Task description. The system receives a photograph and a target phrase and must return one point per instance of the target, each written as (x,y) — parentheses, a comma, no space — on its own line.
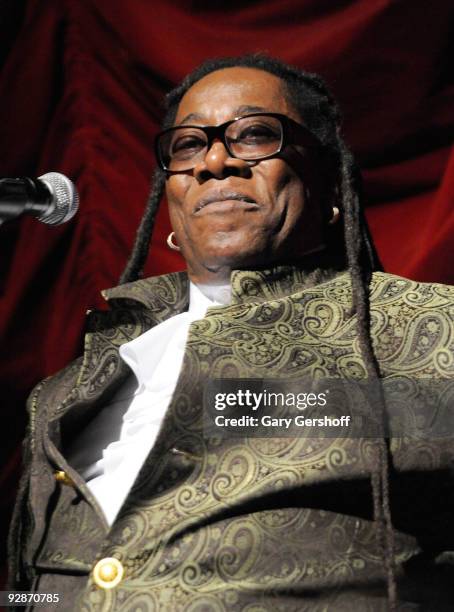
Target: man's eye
(254,134)
(187,145)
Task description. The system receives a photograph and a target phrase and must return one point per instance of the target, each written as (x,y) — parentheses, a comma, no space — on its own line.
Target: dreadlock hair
(348,241)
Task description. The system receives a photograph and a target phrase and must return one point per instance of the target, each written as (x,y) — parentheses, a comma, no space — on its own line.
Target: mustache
(220,195)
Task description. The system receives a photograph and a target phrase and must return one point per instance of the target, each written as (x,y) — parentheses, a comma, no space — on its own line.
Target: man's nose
(218,163)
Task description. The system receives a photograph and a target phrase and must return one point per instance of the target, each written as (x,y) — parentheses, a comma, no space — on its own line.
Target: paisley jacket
(259,524)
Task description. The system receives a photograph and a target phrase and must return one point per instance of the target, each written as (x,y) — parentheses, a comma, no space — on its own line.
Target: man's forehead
(231,92)
(239,111)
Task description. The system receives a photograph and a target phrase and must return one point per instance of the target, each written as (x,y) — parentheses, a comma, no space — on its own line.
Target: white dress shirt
(112,449)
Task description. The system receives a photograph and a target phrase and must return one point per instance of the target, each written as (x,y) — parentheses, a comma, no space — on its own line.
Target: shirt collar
(202,297)
(217,294)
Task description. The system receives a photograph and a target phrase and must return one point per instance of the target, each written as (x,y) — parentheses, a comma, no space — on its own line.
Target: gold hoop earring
(335,217)
(170,242)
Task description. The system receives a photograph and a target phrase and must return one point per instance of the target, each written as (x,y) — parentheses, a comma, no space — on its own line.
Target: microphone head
(65,199)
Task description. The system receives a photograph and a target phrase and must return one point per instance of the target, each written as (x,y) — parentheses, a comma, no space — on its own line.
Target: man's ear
(319,176)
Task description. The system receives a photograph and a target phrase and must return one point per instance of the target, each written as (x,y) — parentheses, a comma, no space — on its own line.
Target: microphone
(52,198)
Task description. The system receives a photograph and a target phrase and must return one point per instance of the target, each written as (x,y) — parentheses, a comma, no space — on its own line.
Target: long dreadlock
(349,241)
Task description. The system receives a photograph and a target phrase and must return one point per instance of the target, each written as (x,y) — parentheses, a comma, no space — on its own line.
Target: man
(126,503)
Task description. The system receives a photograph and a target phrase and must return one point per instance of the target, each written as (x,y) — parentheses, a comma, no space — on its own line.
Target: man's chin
(236,261)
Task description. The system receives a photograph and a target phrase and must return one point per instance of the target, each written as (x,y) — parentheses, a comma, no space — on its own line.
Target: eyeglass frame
(289,126)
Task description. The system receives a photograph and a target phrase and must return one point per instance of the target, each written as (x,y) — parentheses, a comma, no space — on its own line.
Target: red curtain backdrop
(80,93)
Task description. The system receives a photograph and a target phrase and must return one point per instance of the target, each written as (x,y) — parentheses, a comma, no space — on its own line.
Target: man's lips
(220,197)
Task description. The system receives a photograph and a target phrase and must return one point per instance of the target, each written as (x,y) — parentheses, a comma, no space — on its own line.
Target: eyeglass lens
(248,138)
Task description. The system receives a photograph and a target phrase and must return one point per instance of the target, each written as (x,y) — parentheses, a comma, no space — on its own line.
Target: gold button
(108,572)
(63,478)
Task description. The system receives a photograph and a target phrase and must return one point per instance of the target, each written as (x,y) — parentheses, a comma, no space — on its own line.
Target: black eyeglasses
(251,138)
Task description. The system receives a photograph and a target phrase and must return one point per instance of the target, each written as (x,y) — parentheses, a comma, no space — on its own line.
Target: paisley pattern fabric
(253,524)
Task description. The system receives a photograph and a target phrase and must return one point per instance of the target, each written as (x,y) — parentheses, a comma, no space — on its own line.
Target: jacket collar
(274,283)
(164,296)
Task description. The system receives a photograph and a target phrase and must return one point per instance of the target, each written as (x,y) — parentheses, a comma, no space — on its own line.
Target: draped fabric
(81,93)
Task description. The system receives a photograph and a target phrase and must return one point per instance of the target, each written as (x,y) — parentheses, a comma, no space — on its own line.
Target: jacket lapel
(134,309)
